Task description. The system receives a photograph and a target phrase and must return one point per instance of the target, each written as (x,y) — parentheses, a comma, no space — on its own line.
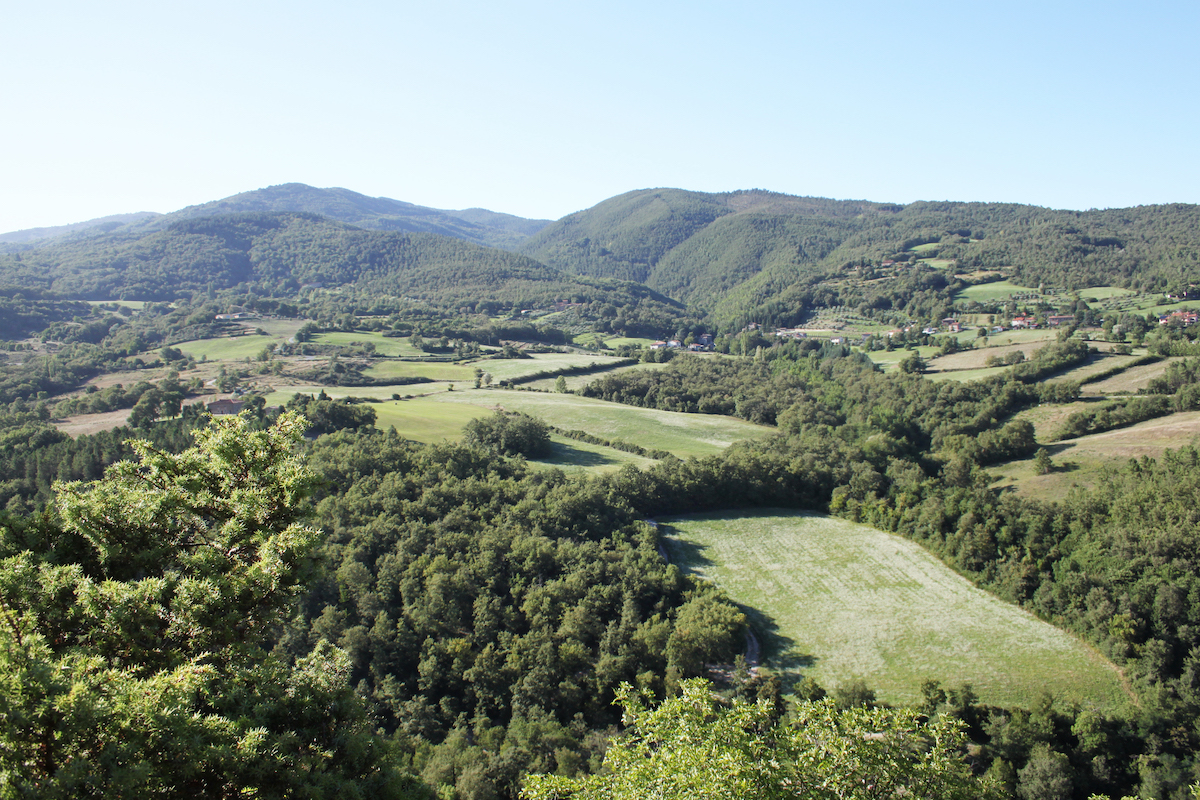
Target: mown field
(384,345)
(236,348)
(1129,381)
(1081,461)
(848,601)
(583,379)
(683,435)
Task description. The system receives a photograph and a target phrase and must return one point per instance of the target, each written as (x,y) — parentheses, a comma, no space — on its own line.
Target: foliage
(509,434)
(693,746)
(131,652)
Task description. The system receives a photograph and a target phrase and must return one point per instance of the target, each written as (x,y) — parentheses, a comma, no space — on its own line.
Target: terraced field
(848,601)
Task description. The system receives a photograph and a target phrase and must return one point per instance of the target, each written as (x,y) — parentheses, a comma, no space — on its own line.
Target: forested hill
(280,253)
(477,225)
(751,246)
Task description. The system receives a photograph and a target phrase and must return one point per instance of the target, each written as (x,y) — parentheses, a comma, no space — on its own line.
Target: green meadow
(992,292)
(683,435)
(1082,461)
(848,601)
(237,348)
(384,345)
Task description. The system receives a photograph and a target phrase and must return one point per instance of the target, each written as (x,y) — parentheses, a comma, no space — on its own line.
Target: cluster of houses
(1181,316)
(703,343)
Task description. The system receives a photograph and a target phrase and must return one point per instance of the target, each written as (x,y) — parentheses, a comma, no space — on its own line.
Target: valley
(940,456)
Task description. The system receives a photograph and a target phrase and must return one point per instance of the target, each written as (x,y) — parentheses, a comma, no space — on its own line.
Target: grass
(520,367)
(237,348)
(384,345)
(628,340)
(425,420)
(991,292)
(1100,362)
(1130,380)
(681,434)
(848,601)
(1081,461)
(888,359)
(434,370)
(136,305)
(577,381)
(570,455)
(964,375)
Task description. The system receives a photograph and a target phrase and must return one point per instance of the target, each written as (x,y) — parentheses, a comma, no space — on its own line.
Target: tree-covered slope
(280,253)
(743,253)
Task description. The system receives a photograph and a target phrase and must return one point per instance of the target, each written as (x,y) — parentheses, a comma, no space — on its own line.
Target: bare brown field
(81,424)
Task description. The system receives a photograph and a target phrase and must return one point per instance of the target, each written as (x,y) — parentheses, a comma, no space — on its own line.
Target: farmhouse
(225,406)
(1064,319)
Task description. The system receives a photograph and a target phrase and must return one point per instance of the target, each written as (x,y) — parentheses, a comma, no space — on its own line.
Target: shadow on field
(684,553)
(564,454)
(777,651)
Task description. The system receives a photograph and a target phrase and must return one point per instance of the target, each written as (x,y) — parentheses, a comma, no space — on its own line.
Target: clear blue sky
(544,108)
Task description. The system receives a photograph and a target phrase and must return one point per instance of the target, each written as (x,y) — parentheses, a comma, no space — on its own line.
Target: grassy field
(630,340)
(1130,380)
(570,455)
(237,348)
(384,345)
(1099,363)
(136,305)
(577,381)
(1048,419)
(848,601)
(434,370)
(889,359)
(682,434)
(992,292)
(1080,462)
(424,420)
(277,328)
(520,367)
(964,375)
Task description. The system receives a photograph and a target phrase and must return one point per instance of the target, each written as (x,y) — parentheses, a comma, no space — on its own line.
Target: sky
(541,109)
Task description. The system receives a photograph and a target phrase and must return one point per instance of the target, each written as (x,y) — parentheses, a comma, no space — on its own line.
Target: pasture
(384,345)
(508,369)
(1129,381)
(992,292)
(681,434)
(1081,461)
(583,379)
(226,348)
(848,601)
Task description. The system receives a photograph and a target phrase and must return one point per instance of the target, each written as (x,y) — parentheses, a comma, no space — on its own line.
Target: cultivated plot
(847,601)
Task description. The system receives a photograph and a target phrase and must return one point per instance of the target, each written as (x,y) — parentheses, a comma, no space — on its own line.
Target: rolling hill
(280,253)
(476,225)
(745,253)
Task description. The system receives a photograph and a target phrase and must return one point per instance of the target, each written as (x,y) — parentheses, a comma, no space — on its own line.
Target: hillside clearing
(1081,461)
(683,435)
(849,601)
